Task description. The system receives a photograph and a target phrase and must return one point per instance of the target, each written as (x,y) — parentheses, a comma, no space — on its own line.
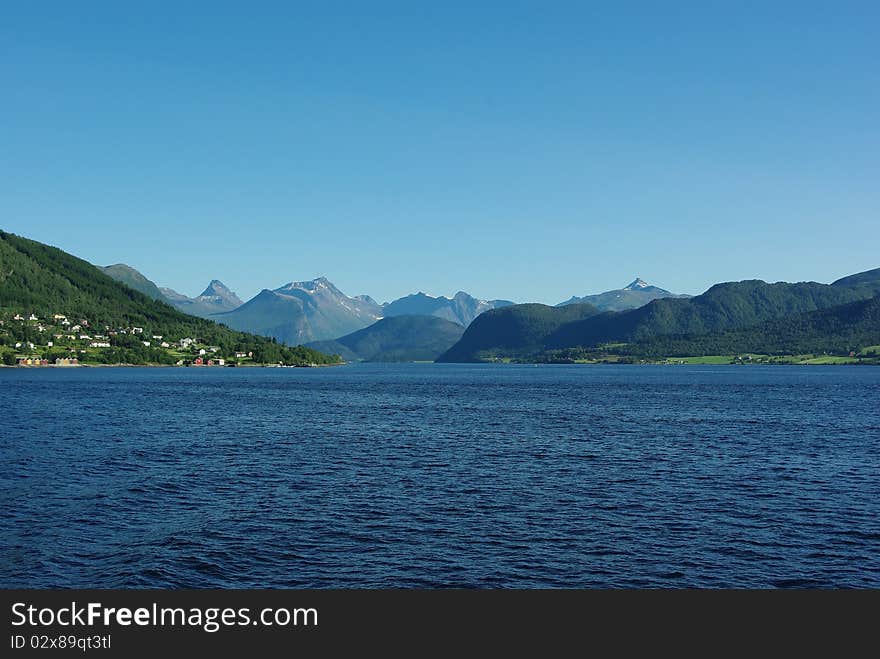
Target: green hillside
(840,330)
(513,331)
(522,331)
(396,339)
(133,279)
(724,306)
(45,282)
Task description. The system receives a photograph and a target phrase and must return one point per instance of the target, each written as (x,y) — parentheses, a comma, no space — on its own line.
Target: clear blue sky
(521,150)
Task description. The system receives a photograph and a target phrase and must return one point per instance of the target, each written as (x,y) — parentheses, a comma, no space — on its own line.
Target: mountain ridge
(396,339)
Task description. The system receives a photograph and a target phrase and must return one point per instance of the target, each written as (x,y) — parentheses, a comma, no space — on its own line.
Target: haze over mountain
(461,308)
(302,311)
(637,294)
(216,298)
(727,306)
(396,339)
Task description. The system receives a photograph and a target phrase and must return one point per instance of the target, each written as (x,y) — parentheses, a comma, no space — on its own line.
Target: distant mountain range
(461,308)
(396,339)
(635,295)
(637,320)
(304,311)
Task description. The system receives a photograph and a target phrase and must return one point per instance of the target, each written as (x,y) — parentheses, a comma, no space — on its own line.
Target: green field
(827,359)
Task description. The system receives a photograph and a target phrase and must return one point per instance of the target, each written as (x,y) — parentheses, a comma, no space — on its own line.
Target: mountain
(50,283)
(513,331)
(837,330)
(461,308)
(727,306)
(133,279)
(216,298)
(730,305)
(868,277)
(396,339)
(303,311)
(636,294)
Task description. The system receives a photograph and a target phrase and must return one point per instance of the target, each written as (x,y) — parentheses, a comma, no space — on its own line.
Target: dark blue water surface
(441,475)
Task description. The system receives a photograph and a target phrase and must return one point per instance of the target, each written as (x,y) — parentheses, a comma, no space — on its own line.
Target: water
(441,476)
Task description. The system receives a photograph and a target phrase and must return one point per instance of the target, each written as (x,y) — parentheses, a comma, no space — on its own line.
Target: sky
(528,151)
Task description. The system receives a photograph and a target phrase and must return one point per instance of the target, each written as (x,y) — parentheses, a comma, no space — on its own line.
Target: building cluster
(79,338)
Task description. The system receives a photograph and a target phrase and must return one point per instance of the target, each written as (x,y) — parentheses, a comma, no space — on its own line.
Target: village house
(33,317)
(146,344)
(99,344)
(59,316)
(18,316)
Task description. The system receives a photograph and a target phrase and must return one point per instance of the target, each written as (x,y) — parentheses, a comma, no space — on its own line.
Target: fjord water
(441,475)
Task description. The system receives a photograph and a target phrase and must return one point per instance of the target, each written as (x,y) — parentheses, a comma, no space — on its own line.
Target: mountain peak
(309,286)
(636,285)
(217,287)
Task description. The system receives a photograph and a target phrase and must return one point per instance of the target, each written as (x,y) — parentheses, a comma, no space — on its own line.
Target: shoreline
(686,364)
(66,366)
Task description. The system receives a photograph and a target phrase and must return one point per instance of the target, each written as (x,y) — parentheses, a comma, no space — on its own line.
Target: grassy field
(829,360)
